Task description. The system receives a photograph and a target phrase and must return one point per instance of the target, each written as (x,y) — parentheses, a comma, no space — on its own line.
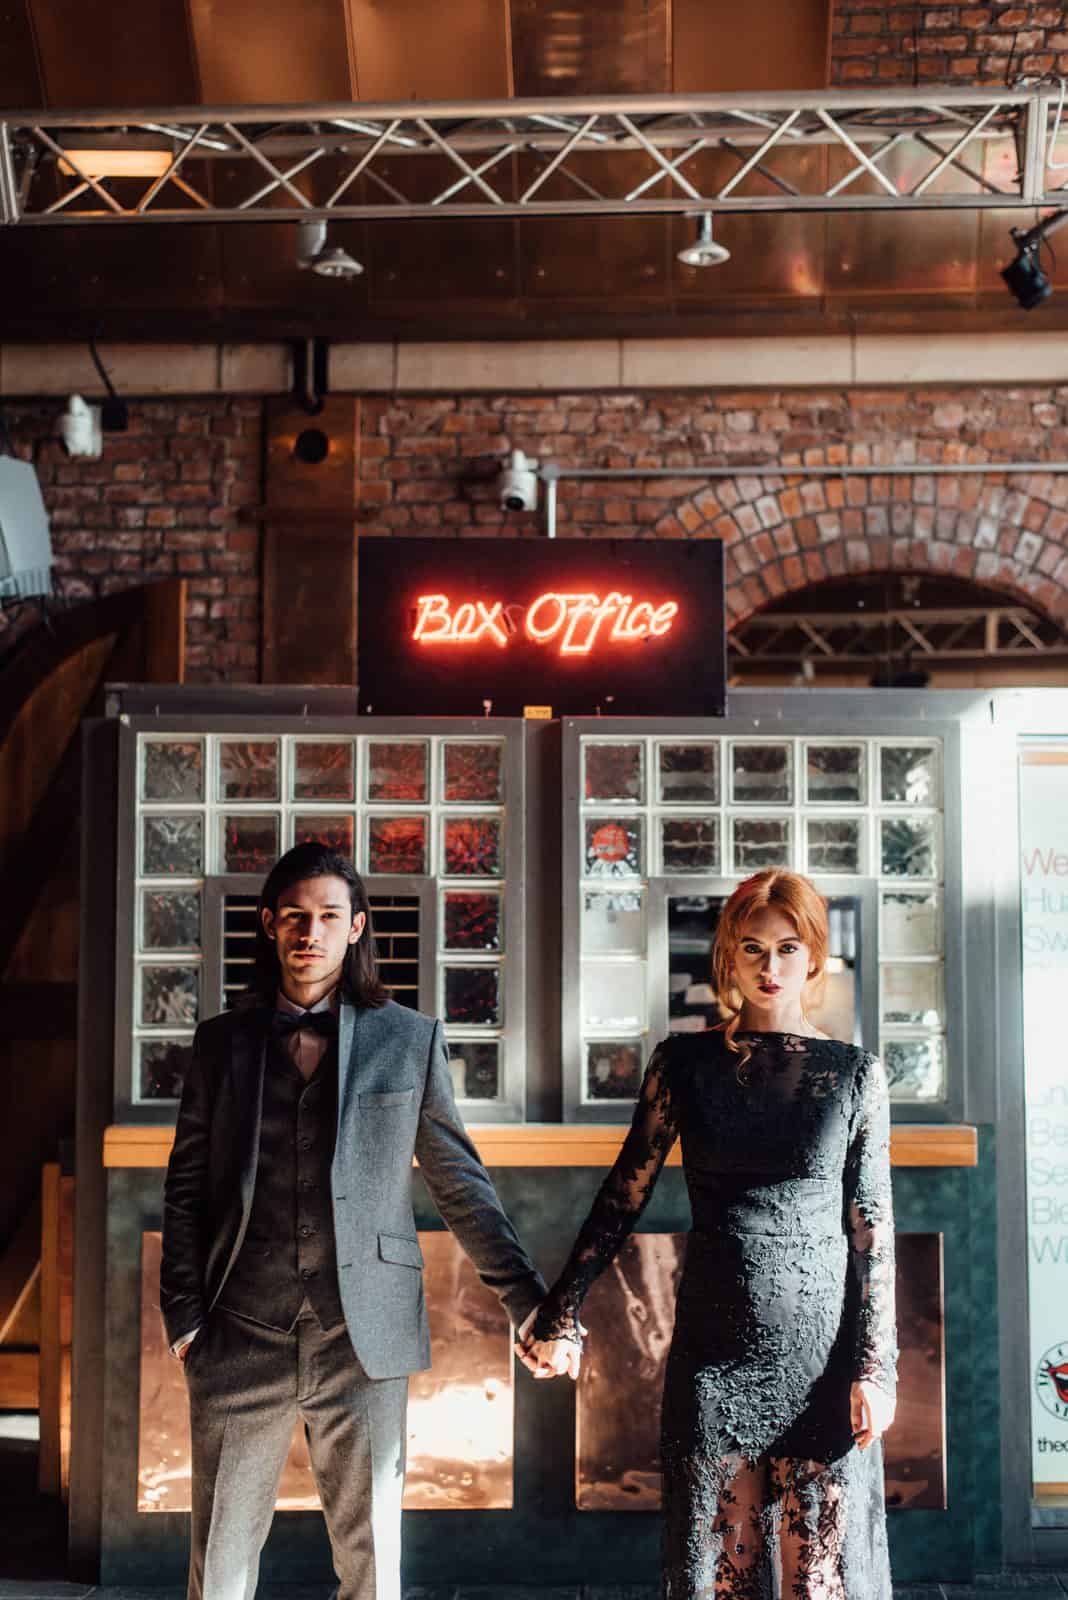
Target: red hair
(778,890)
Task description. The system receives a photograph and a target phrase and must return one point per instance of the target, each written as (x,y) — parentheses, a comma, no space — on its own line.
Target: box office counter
(486,1444)
(518,872)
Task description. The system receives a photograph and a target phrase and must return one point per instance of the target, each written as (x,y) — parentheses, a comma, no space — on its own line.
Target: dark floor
(33,1555)
(1037,1586)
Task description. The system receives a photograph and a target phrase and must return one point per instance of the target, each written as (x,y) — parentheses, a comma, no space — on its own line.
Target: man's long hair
(359,981)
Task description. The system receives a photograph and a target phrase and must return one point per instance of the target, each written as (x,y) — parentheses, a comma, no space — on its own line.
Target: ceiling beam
(600,144)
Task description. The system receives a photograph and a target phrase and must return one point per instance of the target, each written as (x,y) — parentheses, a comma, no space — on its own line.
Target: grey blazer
(395,1100)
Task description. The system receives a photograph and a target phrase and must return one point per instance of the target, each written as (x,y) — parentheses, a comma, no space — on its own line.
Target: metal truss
(910,150)
(969,633)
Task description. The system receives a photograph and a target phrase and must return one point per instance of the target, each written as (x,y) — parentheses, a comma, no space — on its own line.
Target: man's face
(312,929)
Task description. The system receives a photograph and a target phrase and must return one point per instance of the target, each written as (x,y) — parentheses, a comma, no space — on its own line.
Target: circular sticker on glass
(609,842)
(1051,1380)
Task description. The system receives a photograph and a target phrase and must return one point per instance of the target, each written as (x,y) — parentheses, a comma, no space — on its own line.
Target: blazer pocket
(396,1097)
(401,1251)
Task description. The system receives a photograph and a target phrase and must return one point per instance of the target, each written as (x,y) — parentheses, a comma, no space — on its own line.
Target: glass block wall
(209,804)
(723,808)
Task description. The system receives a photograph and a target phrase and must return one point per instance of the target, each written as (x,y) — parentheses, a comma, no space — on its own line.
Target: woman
(780,1379)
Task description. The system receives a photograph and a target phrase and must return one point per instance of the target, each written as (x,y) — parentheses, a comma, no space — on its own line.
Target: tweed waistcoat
(288,1251)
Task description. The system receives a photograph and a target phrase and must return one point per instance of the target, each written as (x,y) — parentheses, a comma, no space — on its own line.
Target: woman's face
(772,963)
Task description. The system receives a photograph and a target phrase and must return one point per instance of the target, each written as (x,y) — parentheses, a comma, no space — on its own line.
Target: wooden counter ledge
(543,1144)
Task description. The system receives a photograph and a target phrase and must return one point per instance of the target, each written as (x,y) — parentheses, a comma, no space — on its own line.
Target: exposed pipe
(551,474)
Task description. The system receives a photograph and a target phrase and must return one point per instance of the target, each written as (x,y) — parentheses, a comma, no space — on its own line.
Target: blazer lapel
(346,1059)
(250,1056)
(362,1033)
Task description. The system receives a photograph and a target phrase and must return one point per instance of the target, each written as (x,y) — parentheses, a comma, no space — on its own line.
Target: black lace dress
(787,1297)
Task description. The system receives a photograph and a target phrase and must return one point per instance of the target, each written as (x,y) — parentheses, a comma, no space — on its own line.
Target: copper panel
(460,1414)
(916,1445)
(773,255)
(124,53)
(600,258)
(104,270)
(872,253)
(629,1313)
(765,44)
(308,486)
(613,47)
(422,50)
(20,81)
(309,557)
(268,52)
(433,261)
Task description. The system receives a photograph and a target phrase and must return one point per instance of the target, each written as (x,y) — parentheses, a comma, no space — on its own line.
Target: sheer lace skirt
(765,1494)
(742,1529)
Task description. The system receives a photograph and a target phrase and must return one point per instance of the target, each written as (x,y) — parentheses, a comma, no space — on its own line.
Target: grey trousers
(247,1386)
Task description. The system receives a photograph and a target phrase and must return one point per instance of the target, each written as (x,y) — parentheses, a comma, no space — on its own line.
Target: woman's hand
(548,1358)
(551,1358)
(871,1411)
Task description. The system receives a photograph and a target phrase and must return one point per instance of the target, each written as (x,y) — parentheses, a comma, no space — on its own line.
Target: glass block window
(217,804)
(613,1069)
(835,774)
(170,919)
(473,772)
(615,772)
(397,845)
(835,844)
(249,769)
(762,773)
(659,807)
(688,774)
(324,769)
(476,1068)
(471,920)
(173,769)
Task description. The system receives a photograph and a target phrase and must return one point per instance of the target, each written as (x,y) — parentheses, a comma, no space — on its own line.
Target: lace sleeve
(870,1225)
(620,1201)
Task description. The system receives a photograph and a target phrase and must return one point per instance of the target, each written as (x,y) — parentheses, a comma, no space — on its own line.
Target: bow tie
(285,1023)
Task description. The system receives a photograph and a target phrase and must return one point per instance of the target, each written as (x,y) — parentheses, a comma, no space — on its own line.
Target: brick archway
(782,532)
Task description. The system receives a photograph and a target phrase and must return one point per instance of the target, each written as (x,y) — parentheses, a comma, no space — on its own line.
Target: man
(291,1282)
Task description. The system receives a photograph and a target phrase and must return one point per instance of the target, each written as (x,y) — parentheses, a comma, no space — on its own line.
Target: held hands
(870,1413)
(548,1358)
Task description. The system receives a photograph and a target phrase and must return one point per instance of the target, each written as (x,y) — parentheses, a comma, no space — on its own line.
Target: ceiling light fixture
(313,253)
(1024,274)
(336,263)
(704,252)
(115,163)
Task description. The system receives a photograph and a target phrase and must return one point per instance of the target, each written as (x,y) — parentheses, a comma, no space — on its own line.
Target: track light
(336,263)
(1024,274)
(314,254)
(704,252)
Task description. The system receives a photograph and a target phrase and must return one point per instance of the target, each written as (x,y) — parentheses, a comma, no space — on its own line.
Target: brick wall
(782,531)
(164,500)
(878,41)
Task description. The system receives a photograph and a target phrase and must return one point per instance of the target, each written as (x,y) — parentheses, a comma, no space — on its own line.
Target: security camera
(519,483)
(80,430)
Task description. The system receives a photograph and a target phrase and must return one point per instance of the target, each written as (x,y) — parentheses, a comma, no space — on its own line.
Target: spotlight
(704,252)
(336,263)
(313,253)
(1024,275)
